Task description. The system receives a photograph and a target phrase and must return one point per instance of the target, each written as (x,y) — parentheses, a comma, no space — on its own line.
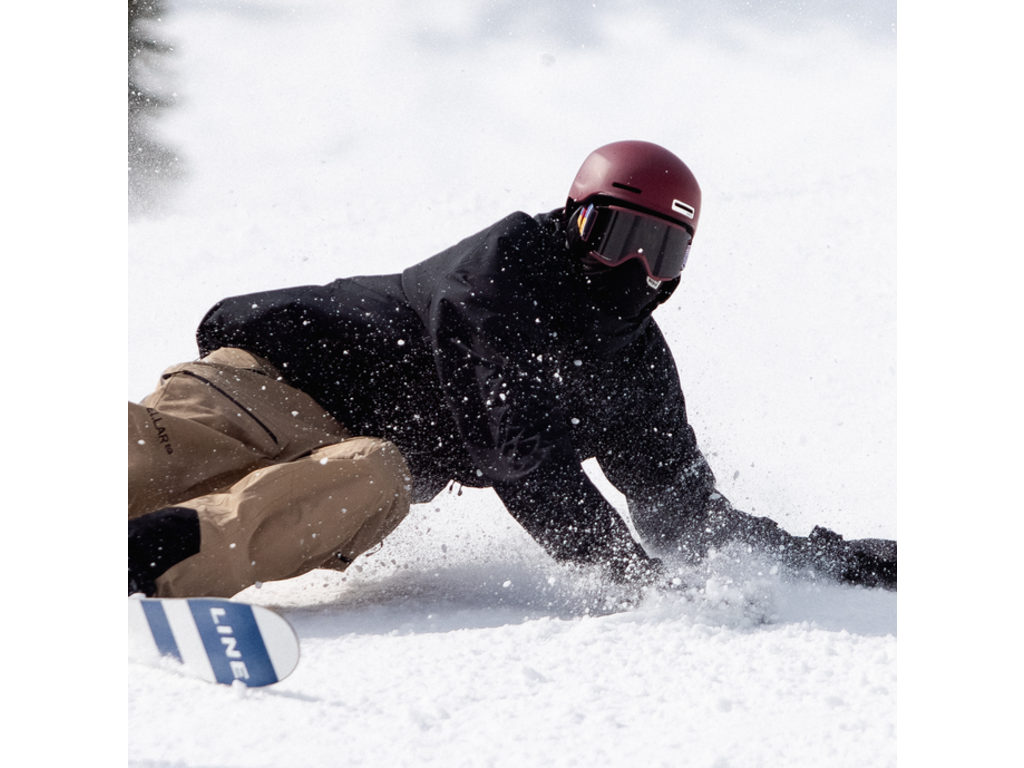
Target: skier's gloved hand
(863,562)
(645,572)
(651,573)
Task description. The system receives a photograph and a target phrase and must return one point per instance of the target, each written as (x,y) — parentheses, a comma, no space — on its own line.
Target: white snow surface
(322,139)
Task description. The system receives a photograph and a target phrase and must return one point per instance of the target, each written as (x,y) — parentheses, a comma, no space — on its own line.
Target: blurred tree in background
(151,164)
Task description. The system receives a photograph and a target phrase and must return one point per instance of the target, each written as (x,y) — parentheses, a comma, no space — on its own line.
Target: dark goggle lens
(616,234)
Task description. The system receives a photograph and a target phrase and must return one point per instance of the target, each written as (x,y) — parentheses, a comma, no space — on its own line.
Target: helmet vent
(626,187)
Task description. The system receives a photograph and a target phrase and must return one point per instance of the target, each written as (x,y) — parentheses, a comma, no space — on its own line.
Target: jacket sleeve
(654,459)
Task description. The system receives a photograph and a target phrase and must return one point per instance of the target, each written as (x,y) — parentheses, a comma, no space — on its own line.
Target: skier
(317,414)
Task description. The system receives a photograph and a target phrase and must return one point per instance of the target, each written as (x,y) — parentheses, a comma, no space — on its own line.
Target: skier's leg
(322,510)
(212,422)
(173,458)
(208,425)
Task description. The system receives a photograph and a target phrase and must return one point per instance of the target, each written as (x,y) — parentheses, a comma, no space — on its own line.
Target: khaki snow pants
(280,487)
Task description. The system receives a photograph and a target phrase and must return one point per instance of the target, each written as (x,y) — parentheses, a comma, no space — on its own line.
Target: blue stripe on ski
(161,629)
(233,642)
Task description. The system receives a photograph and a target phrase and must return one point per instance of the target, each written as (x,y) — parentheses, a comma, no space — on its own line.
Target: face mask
(623,291)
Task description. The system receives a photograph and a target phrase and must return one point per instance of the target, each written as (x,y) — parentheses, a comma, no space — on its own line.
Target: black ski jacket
(499,362)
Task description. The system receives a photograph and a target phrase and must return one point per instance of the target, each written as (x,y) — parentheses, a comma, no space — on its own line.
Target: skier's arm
(652,455)
(488,346)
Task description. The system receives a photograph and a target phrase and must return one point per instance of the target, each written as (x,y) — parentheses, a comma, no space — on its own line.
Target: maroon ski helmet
(634,200)
(641,176)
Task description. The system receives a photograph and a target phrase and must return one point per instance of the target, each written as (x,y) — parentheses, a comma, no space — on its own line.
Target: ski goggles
(616,234)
